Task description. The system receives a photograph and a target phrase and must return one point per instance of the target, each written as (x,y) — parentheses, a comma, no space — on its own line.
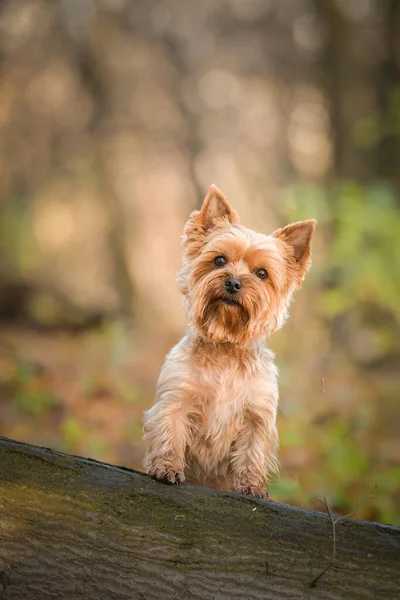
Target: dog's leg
(254,455)
(167,432)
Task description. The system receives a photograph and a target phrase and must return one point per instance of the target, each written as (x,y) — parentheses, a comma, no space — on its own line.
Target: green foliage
(33,403)
(97,445)
(368,131)
(365,253)
(72,432)
(17,241)
(30,390)
(337,464)
(305,202)
(394,110)
(134,431)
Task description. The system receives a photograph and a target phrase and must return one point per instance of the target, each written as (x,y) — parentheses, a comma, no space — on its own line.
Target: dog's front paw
(166,473)
(252,490)
(170,477)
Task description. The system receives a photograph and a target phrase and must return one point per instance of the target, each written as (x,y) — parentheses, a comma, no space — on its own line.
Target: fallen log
(73,528)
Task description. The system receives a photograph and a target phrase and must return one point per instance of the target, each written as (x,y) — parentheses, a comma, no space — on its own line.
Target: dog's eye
(262,273)
(220,261)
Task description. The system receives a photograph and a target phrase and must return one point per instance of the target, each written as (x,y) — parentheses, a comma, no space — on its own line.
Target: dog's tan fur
(214,417)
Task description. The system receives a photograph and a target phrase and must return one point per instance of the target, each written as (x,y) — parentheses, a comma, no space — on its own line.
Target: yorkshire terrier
(213,421)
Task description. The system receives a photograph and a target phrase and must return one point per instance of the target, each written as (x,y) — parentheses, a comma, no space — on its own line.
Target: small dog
(214,417)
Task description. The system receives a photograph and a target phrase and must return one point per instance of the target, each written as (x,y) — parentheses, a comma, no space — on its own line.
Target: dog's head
(238,283)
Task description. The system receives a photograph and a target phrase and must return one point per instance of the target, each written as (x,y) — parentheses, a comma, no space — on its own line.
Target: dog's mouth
(229,300)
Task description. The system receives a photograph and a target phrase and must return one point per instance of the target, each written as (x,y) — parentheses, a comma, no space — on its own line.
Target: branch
(334,522)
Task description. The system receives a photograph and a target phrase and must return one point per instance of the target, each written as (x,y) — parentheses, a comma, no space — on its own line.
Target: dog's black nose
(233,285)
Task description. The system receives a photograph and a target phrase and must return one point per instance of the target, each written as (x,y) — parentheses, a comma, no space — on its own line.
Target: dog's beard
(219,316)
(225,318)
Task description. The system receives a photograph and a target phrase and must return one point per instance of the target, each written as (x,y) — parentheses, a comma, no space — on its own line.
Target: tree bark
(73,528)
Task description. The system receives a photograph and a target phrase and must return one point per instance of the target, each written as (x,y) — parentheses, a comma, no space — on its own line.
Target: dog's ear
(214,206)
(297,237)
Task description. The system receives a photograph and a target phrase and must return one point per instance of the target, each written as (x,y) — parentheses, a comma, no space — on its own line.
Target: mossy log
(73,528)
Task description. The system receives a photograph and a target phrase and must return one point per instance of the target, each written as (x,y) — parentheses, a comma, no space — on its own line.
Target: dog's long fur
(214,417)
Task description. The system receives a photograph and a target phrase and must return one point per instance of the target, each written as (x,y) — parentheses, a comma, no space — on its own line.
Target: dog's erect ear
(215,205)
(298,237)
(198,226)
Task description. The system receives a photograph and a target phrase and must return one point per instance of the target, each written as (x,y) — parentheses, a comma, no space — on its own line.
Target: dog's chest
(224,394)
(228,385)
(225,398)
(220,408)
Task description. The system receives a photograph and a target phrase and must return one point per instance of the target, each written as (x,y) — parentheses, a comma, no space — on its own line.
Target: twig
(314,582)
(334,522)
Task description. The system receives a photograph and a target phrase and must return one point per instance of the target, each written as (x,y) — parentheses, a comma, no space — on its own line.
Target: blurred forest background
(115,117)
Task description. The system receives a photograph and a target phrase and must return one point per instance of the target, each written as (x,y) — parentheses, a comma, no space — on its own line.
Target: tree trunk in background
(387,152)
(344,80)
(361,75)
(74,528)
